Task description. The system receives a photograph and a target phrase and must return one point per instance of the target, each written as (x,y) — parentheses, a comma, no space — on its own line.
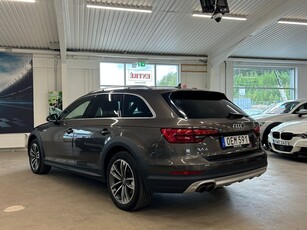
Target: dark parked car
(143,140)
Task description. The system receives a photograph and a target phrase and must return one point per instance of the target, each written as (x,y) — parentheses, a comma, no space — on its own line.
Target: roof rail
(116,87)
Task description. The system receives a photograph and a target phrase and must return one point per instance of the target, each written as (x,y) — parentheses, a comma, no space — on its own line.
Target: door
(59,137)
(94,133)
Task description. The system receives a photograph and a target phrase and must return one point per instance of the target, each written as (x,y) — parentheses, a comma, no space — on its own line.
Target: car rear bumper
(213,176)
(213,183)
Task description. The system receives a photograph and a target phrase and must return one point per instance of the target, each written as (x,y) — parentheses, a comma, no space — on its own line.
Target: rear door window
(134,106)
(202,104)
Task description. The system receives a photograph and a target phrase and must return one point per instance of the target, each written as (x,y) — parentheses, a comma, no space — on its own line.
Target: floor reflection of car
(289,138)
(142,140)
(278,113)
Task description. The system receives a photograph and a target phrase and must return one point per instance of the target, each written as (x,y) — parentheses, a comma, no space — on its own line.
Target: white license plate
(235,140)
(280,142)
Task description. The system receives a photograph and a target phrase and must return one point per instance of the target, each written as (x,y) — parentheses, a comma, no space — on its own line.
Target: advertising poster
(55,102)
(16,93)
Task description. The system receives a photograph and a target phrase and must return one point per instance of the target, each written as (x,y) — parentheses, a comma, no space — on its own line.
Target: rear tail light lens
(257,130)
(187,135)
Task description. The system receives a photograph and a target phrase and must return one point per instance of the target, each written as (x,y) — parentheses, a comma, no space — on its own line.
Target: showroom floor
(60,200)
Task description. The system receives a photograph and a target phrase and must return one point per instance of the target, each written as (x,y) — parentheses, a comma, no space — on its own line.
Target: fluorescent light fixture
(228,17)
(30,1)
(292,22)
(121,8)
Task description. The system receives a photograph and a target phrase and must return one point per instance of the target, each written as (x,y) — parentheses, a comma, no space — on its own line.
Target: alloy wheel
(34,156)
(122,181)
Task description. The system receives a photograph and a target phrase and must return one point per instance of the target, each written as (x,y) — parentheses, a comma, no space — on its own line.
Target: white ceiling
(69,25)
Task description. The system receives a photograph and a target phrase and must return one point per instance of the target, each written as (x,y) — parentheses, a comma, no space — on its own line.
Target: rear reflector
(187,135)
(186,173)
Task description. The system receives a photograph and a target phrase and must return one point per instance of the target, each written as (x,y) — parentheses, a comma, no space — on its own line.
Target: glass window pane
(140,75)
(167,75)
(256,88)
(77,109)
(112,74)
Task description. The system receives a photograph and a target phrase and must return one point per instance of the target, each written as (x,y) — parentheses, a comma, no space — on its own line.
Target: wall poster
(16,93)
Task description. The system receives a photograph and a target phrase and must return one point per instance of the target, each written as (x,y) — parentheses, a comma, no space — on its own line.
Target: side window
(303,106)
(134,106)
(77,109)
(106,105)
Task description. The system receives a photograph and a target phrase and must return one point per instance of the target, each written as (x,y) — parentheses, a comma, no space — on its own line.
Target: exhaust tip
(206,188)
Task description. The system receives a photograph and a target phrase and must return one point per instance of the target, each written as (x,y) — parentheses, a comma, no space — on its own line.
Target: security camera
(217,17)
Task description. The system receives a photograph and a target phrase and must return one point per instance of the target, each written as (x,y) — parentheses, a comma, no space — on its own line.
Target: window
(112,74)
(106,105)
(135,107)
(77,109)
(119,74)
(256,88)
(167,75)
(199,104)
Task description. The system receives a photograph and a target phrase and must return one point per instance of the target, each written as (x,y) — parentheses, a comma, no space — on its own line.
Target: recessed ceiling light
(121,8)
(293,22)
(228,16)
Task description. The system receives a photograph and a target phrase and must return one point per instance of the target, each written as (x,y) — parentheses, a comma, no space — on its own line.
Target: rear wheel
(125,183)
(36,159)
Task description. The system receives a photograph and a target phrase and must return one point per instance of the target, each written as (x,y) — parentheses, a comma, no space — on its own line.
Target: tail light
(257,130)
(187,135)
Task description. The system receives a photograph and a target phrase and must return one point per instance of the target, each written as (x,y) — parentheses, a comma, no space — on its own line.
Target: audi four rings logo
(238,126)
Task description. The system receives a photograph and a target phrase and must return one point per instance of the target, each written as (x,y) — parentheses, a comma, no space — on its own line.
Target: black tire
(36,158)
(266,133)
(125,183)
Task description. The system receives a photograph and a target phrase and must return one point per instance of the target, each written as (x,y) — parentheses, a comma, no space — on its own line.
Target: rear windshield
(201,104)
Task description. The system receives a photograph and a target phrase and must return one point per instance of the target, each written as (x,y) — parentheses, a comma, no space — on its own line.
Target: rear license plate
(231,141)
(280,142)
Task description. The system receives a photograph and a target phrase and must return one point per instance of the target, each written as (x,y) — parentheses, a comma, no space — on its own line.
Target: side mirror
(302,112)
(53,117)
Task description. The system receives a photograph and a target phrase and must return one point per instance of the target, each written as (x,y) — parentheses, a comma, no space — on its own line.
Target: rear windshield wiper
(236,115)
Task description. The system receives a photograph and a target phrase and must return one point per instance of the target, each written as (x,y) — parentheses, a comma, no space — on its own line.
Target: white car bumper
(295,146)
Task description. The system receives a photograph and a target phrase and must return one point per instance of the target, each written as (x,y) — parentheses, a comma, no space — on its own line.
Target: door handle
(105,132)
(69,131)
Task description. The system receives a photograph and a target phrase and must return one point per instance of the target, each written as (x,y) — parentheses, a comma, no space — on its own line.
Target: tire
(36,159)
(125,184)
(266,134)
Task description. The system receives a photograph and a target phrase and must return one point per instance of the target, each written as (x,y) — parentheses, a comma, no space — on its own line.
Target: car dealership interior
(53,52)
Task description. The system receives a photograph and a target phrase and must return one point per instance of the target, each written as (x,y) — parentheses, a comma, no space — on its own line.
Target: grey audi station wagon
(142,140)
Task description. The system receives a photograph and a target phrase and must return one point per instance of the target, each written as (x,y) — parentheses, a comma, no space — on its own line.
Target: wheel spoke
(114,172)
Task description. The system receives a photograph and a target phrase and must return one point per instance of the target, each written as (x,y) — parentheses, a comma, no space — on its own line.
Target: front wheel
(36,159)
(125,183)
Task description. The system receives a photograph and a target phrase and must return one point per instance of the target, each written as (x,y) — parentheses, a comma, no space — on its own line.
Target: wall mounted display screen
(16,93)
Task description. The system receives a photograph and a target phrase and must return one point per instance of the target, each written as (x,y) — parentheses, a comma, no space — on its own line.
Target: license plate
(235,141)
(280,142)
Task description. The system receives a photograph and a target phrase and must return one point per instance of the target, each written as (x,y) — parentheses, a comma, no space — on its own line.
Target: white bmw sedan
(289,138)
